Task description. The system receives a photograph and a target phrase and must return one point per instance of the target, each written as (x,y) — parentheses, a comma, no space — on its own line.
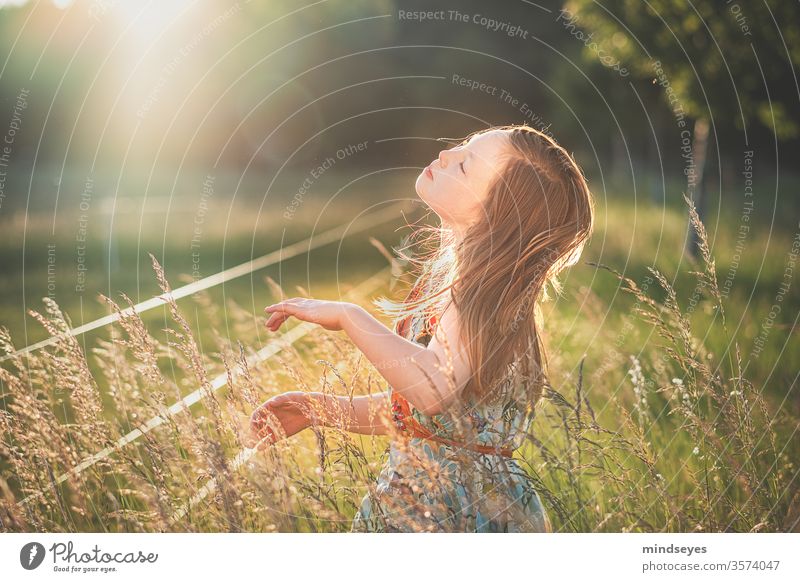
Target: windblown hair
(536,219)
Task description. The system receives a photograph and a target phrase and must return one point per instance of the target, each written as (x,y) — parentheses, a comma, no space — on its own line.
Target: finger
(276,320)
(258,421)
(265,441)
(270,432)
(277,308)
(280,315)
(283,305)
(265,418)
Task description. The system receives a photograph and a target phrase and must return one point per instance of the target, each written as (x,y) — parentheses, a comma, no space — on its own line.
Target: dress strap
(401,408)
(401,413)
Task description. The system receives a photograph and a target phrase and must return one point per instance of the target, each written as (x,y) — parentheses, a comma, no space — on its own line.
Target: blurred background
(209,133)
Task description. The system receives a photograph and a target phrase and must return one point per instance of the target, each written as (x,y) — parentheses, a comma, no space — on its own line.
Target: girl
(464,364)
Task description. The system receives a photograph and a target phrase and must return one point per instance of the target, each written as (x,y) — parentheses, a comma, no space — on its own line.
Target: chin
(420,185)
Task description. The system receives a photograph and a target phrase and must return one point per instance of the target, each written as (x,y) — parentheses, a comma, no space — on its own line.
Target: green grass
(610,451)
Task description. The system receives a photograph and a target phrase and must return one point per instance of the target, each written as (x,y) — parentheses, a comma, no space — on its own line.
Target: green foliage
(716,56)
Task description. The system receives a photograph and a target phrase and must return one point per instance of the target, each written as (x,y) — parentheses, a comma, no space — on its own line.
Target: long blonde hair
(535,222)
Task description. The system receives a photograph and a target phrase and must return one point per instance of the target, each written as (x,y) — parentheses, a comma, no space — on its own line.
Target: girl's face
(456,184)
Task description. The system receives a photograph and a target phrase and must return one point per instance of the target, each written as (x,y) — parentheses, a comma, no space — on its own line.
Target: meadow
(658,416)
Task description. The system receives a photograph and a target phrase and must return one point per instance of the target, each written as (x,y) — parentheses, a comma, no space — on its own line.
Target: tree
(715,59)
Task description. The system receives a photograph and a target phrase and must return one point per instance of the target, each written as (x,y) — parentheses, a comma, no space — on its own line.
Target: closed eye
(462,168)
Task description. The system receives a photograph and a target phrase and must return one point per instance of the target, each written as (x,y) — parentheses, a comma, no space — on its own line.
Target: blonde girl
(464,362)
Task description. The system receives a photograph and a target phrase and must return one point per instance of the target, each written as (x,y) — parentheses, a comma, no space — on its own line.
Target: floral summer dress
(426,485)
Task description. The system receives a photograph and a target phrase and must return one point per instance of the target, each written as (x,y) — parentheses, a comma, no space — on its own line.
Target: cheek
(422,186)
(447,195)
(457,194)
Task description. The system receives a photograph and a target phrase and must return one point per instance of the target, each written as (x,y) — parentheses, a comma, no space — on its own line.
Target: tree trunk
(655,175)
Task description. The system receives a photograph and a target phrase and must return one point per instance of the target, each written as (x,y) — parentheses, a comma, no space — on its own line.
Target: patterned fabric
(428,486)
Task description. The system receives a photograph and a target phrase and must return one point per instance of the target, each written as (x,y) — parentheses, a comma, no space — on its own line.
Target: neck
(458,231)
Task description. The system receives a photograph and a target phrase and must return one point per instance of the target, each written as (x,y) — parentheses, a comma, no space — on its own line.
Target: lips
(428,172)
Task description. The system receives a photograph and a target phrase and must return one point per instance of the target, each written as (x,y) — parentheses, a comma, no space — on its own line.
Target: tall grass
(690,445)
(672,438)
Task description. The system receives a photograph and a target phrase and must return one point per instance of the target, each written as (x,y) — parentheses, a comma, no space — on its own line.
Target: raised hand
(328,314)
(279,417)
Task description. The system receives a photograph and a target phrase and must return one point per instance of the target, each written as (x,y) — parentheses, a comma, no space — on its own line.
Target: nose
(444,157)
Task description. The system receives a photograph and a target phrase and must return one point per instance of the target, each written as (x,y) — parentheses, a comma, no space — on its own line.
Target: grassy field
(659,415)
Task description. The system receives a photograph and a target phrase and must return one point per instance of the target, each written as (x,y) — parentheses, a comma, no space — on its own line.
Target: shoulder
(449,340)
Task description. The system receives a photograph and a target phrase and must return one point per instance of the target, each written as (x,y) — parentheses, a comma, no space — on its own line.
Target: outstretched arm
(291,412)
(429,377)
(362,414)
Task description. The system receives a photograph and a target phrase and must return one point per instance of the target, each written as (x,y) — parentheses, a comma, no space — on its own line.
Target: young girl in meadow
(464,363)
